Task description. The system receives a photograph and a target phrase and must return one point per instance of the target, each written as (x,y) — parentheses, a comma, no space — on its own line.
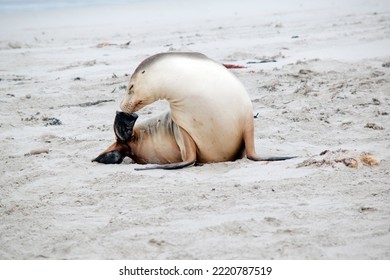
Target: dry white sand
(324,84)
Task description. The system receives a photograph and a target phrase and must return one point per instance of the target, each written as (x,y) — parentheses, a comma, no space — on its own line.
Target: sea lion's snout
(127,105)
(123,126)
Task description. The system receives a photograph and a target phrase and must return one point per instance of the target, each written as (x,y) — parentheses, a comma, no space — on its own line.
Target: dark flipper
(123,126)
(169,166)
(270,158)
(113,157)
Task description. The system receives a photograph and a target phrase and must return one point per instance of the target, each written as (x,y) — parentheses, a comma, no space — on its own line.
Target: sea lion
(210,111)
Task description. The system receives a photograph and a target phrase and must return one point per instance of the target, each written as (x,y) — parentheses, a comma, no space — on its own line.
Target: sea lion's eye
(143,72)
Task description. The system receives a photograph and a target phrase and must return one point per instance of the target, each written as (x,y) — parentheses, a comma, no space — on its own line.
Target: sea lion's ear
(113,154)
(123,126)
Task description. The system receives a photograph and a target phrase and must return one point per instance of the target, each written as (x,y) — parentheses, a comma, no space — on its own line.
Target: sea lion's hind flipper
(113,154)
(123,126)
(113,157)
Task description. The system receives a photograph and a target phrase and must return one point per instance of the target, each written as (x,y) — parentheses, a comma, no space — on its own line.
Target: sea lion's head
(144,85)
(156,78)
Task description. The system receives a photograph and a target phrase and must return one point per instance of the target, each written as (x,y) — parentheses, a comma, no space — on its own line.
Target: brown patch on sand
(349,158)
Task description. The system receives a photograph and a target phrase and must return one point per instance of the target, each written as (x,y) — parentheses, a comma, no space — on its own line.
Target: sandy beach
(318,75)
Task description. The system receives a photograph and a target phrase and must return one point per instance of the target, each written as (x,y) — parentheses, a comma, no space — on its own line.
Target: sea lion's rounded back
(205,98)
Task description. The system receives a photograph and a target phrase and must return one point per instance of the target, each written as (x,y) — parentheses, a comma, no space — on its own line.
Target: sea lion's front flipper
(187,148)
(249,141)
